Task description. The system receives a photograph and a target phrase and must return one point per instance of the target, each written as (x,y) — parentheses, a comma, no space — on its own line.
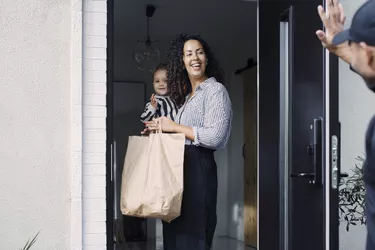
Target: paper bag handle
(159,129)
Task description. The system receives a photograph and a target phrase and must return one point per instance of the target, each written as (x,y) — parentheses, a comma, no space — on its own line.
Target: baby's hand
(153,101)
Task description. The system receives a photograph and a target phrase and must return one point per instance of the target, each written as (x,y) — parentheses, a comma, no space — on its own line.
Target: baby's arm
(149,113)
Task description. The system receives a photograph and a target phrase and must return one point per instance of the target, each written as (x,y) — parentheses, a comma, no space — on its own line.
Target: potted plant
(29,243)
(352,197)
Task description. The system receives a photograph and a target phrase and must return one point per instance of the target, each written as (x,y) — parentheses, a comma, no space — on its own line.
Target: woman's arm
(188,131)
(168,125)
(216,129)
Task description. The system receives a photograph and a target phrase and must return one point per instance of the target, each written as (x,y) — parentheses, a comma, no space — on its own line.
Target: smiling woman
(205,118)
(180,58)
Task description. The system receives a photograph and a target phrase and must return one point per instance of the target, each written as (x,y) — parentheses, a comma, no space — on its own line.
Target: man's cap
(362,28)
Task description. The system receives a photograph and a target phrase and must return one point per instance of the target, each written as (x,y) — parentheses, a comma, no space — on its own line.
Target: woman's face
(195,59)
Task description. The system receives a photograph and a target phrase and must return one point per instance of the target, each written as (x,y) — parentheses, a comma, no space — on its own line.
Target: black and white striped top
(209,112)
(166,107)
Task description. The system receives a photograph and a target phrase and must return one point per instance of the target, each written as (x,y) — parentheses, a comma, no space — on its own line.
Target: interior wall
(356,109)
(35,123)
(232,50)
(125,68)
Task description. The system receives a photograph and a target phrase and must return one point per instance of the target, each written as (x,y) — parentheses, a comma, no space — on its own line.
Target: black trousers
(194,229)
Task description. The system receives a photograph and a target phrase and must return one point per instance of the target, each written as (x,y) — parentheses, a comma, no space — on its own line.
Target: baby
(160,103)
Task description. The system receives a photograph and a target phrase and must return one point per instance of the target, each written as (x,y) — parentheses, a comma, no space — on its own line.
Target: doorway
(272,208)
(231,31)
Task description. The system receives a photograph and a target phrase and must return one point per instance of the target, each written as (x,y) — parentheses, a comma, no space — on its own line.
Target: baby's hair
(161,66)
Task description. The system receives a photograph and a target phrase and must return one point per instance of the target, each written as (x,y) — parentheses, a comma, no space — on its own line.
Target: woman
(204,117)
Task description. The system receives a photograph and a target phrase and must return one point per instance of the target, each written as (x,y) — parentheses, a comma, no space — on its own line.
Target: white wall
(35,123)
(356,109)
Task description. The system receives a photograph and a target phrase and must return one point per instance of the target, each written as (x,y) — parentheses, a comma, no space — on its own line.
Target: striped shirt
(166,107)
(209,113)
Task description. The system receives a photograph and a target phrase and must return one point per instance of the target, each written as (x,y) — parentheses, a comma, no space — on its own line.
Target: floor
(220,243)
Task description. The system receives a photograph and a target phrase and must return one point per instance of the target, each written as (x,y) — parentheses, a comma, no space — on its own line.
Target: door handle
(114,167)
(303,175)
(112,162)
(315,177)
(344,175)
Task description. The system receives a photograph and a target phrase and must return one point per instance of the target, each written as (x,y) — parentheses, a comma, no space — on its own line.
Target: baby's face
(160,82)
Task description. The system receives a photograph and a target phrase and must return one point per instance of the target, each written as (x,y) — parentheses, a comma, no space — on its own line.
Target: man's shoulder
(371,123)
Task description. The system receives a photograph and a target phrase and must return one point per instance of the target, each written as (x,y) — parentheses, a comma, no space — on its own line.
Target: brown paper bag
(152,178)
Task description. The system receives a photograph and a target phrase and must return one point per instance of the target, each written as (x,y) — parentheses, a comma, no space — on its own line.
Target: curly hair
(160,66)
(178,80)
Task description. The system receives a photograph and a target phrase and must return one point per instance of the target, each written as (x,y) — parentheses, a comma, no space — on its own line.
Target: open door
(308,129)
(249,153)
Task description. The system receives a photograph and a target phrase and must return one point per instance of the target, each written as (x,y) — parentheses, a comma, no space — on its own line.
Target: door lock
(310,150)
(316,149)
(309,176)
(336,175)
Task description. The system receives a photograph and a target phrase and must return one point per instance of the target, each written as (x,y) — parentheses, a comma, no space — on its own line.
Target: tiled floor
(220,243)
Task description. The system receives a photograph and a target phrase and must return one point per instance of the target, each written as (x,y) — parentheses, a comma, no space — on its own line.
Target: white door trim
(88,124)
(76,125)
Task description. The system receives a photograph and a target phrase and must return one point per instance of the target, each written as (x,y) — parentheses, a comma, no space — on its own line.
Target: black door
(303,118)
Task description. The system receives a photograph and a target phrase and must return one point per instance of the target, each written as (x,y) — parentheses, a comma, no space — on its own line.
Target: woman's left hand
(167,125)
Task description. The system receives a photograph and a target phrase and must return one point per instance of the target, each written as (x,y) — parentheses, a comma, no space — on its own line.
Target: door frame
(333,128)
(88,75)
(110,119)
(269,206)
(110,126)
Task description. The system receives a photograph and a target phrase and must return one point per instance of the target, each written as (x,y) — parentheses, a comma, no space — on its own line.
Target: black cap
(362,28)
